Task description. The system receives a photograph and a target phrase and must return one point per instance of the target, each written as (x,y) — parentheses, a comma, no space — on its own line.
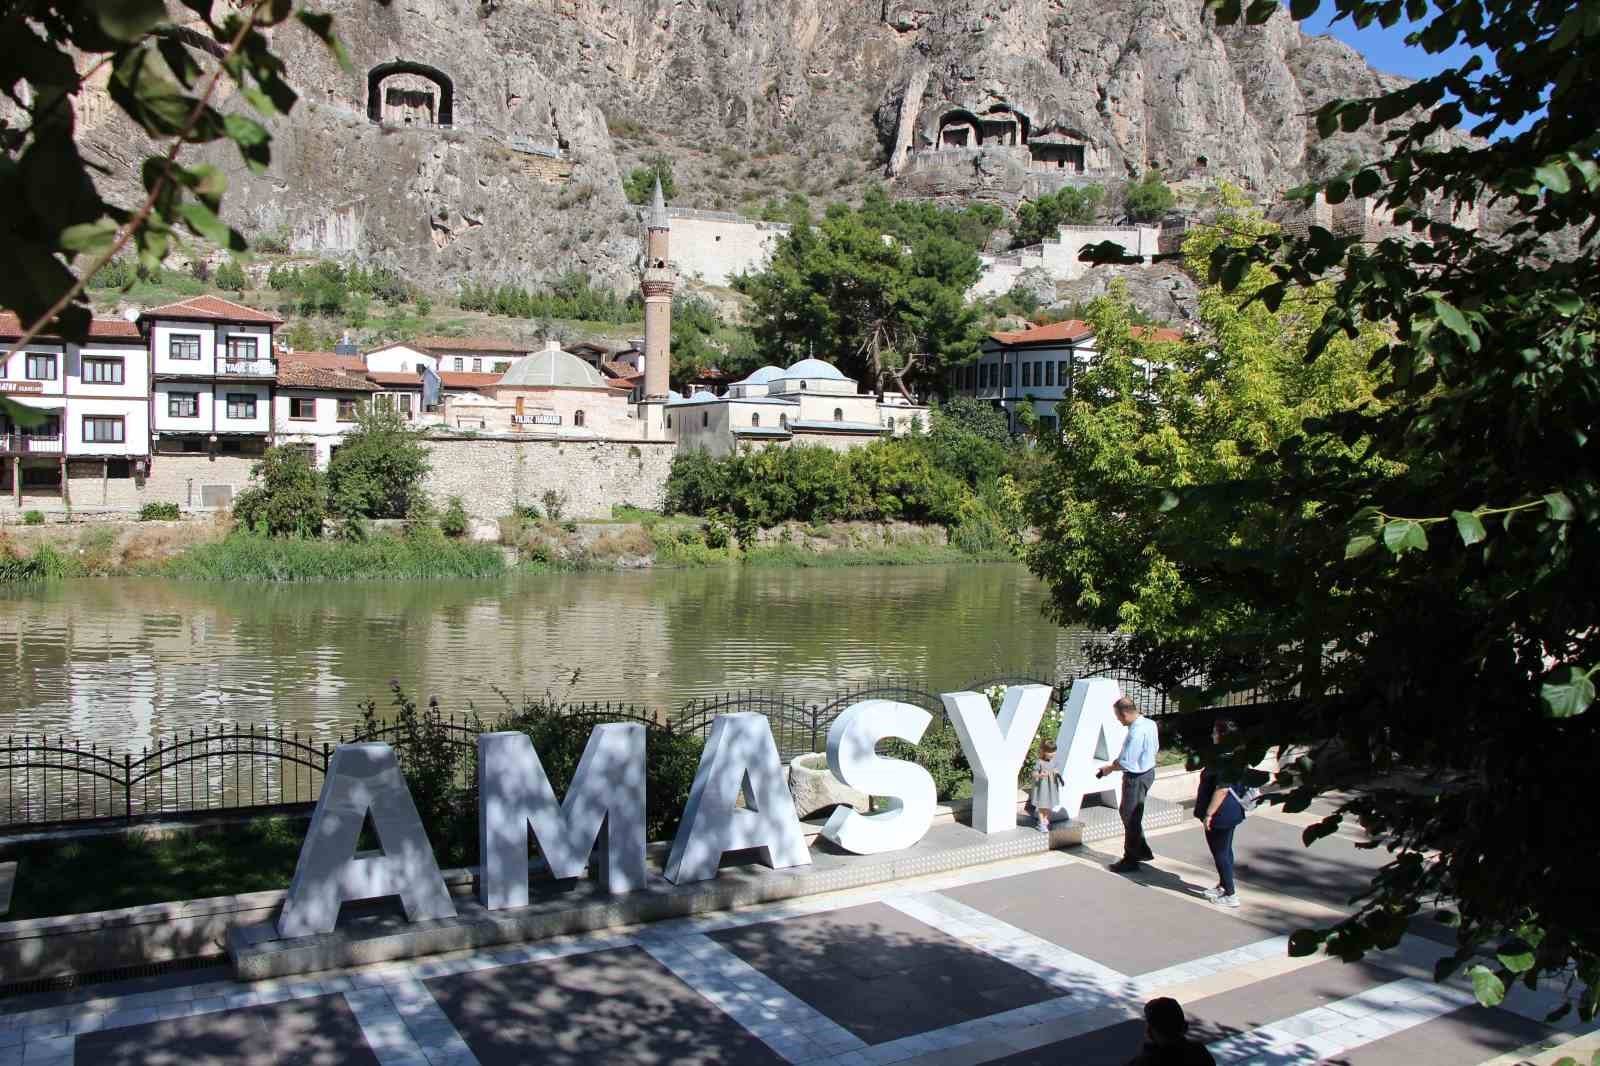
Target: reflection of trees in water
(118,659)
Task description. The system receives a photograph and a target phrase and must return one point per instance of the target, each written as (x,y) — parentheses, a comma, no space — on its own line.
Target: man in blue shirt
(1137,761)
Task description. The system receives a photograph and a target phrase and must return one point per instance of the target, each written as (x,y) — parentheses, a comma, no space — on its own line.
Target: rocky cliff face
(549,102)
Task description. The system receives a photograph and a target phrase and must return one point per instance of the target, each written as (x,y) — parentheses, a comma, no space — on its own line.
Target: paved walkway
(1038,960)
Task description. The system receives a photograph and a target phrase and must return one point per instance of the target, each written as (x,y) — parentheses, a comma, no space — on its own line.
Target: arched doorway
(419,96)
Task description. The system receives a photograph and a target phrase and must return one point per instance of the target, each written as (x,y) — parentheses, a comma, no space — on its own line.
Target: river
(114,662)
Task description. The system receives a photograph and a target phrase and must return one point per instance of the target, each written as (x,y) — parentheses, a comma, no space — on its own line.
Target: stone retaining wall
(493,475)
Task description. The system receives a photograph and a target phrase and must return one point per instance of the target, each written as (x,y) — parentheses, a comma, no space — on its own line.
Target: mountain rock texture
(550,102)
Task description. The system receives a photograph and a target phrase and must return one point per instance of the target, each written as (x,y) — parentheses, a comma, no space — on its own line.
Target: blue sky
(1386,50)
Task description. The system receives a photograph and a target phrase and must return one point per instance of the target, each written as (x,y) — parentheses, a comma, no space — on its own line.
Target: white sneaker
(1230,900)
(1213,892)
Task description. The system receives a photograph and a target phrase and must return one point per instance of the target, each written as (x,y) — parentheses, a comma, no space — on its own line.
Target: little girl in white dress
(1046,791)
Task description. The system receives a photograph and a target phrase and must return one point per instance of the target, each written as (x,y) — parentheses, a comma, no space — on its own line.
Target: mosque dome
(552,369)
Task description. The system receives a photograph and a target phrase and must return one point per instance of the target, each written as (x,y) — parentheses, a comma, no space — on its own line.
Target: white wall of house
(214,345)
(324,430)
(820,407)
(399,359)
(17,369)
(204,407)
(86,413)
(259,421)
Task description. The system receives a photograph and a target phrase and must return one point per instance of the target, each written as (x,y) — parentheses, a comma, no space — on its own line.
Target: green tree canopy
(1149,198)
(1413,572)
(887,305)
(1042,218)
(641,180)
(379,468)
(287,498)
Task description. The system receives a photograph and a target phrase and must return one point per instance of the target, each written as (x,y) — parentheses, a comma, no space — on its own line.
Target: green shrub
(440,766)
(939,752)
(641,181)
(379,469)
(159,512)
(246,556)
(287,499)
(33,518)
(554,503)
(1149,198)
(1040,219)
(231,277)
(453,523)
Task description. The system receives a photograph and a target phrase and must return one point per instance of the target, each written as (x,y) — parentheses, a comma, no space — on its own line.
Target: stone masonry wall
(178,479)
(491,476)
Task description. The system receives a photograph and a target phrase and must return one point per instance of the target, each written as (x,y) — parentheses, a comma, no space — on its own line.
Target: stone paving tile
(612,1006)
(881,974)
(1129,928)
(317,1031)
(1269,856)
(1471,1034)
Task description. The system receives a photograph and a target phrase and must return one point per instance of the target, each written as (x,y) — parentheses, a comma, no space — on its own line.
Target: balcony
(247,368)
(30,444)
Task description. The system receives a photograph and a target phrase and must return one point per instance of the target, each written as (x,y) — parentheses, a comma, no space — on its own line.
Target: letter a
(1090,737)
(852,756)
(604,804)
(996,748)
(363,779)
(739,754)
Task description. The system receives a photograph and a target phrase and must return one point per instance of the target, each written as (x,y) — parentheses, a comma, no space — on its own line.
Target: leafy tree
(889,307)
(164,78)
(640,183)
(1042,218)
(1149,198)
(701,341)
(288,499)
(913,222)
(1424,561)
(379,469)
(230,277)
(795,209)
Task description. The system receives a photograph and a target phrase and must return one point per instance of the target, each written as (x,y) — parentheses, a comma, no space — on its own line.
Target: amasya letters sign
(605,806)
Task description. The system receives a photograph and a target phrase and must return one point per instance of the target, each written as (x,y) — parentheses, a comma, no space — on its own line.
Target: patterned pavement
(1045,959)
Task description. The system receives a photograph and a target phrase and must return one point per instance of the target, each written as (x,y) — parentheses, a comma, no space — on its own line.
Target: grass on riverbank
(250,557)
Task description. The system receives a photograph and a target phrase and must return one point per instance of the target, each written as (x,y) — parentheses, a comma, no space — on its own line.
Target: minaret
(658,283)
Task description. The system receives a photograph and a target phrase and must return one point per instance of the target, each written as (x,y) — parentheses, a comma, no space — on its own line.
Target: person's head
(1125,710)
(1047,749)
(1164,1021)
(1222,729)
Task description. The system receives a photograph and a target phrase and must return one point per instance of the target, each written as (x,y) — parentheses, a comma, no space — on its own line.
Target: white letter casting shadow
(852,756)
(1090,737)
(604,804)
(739,754)
(362,779)
(996,748)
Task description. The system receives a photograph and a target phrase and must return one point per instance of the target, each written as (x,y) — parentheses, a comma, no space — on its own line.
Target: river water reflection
(116,661)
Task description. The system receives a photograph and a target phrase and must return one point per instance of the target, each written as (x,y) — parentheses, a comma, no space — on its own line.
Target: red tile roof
(389,380)
(1072,329)
(99,328)
(1154,334)
(328,360)
(453,380)
(213,309)
(296,375)
(470,344)
(618,370)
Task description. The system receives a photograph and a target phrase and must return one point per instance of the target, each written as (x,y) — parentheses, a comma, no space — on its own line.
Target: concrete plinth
(379,932)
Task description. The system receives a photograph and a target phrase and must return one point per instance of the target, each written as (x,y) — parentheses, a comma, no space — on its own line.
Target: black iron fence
(54,781)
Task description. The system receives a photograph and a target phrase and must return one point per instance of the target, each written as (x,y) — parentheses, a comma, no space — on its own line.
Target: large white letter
(852,756)
(996,748)
(605,803)
(1090,737)
(363,779)
(739,755)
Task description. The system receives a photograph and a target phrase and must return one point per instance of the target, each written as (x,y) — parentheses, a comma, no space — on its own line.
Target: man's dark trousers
(1135,787)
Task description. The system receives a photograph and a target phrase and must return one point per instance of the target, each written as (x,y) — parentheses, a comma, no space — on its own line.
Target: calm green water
(116,661)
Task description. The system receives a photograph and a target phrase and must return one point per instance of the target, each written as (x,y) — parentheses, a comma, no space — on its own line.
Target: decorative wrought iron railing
(238,768)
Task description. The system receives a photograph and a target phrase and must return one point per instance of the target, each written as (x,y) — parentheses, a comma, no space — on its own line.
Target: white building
(214,369)
(1038,365)
(313,407)
(808,403)
(94,399)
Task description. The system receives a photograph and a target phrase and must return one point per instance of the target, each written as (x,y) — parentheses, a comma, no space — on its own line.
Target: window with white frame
(185,346)
(303,408)
(241,405)
(241,349)
(460,364)
(41,367)
(183,405)
(347,410)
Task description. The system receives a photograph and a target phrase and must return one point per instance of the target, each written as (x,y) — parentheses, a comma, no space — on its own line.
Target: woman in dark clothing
(1217,805)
